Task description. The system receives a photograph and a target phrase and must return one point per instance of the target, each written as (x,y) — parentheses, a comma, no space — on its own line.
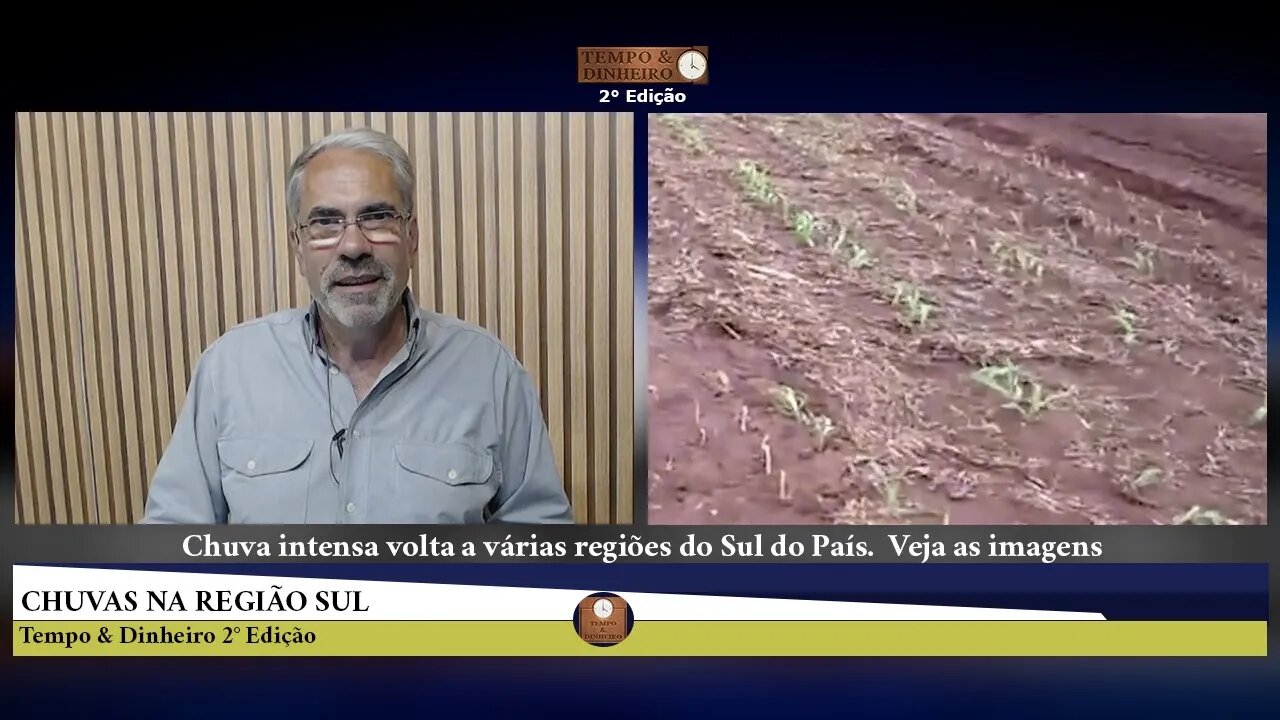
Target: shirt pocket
(442,482)
(266,479)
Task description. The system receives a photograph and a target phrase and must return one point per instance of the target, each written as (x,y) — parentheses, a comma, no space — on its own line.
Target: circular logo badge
(603,619)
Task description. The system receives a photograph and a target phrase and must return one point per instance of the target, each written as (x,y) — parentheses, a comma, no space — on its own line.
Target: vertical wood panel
(446,228)
(69,353)
(599,270)
(553,270)
(245,243)
(48,265)
(530,268)
(469,215)
(28,370)
(24,505)
(76,130)
(428,239)
(576,222)
(263,233)
(624,384)
(297,141)
(137,357)
(113,482)
(154,323)
(281,254)
(223,240)
(488,279)
(169,244)
(142,237)
(188,226)
(122,341)
(508,267)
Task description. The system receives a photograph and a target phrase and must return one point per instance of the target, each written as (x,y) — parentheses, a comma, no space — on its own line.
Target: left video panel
(324,317)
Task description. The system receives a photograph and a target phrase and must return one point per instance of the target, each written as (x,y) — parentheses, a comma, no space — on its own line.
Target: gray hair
(367,139)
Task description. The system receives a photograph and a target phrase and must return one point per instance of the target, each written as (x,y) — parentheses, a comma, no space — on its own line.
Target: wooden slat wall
(141,237)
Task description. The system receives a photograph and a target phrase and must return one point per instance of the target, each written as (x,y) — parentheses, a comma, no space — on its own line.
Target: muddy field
(1005,319)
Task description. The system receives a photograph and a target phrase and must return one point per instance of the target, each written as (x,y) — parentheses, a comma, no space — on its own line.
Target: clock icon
(692,64)
(602,608)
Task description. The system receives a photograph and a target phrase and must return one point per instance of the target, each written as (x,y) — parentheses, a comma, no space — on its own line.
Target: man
(362,408)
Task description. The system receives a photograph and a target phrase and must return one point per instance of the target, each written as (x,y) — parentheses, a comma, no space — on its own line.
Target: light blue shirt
(452,432)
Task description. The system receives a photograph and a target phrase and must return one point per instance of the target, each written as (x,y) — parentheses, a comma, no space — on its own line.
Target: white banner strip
(50,593)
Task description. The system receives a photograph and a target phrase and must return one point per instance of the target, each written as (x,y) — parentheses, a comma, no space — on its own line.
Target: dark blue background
(373,58)
(1120,592)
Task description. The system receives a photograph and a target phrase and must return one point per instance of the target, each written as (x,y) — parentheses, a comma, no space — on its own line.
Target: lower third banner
(103,612)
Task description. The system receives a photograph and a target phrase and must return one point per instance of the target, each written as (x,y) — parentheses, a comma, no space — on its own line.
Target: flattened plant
(1021,391)
(687,132)
(914,309)
(1133,486)
(1203,516)
(1143,260)
(845,244)
(794,404)
(1009,256)
(1127,323)
(805,225)
(755,182)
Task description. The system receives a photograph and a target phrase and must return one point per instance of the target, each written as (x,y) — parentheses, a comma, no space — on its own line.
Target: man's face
(357,277)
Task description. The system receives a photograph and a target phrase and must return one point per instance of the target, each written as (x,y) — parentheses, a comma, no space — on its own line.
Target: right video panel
(963,319)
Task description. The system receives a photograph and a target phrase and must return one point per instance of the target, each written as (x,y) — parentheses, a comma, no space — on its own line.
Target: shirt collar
(311,324)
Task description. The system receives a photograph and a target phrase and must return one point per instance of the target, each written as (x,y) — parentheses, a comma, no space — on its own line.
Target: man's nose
(353,242)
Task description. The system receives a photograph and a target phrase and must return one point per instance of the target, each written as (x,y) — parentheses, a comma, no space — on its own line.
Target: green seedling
(854,252)
(840,239)
(890,487)
(905,199)
(1132,487)
(1020,391)
(790,401)
(1009,255)
(1127,321)
(686,132)
(804,224)
(914,309)
(794,404)
(1143,260)
(1029,263)
(756,183)
(1201,516)
(1259,415)
(822,429)
(859,257)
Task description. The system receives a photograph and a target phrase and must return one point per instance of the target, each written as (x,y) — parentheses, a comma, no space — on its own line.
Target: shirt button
(333,369)
(453,474)
(351,507)
(251,464)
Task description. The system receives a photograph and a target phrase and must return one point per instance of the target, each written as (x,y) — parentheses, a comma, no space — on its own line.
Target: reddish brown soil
(1028,234)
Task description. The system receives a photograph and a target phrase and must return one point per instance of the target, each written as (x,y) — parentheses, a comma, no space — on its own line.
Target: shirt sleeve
(187,485)
(531,491)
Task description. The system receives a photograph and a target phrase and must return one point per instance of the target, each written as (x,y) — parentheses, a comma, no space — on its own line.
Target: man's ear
(297,252)
(413,243)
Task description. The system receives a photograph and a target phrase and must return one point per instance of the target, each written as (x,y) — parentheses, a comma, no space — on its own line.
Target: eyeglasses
(377,226)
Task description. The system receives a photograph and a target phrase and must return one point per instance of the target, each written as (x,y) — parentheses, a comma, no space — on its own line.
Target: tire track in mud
(1138,165)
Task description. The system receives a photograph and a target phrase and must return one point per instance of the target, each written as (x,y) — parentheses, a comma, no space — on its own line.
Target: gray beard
(364,310)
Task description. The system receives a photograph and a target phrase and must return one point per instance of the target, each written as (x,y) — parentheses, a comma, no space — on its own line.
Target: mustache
(345,269)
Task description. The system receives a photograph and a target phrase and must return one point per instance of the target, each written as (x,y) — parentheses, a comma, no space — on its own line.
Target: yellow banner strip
(648,638)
